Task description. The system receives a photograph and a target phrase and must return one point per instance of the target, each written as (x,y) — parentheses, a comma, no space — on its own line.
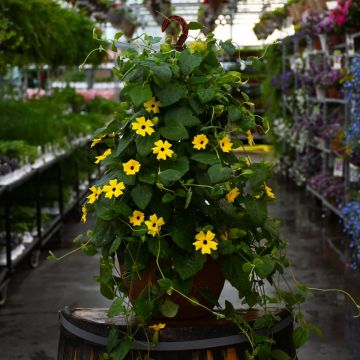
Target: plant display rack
(45,229)
(328,155)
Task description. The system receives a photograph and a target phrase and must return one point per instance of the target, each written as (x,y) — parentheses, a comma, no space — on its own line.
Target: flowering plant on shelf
(176,202)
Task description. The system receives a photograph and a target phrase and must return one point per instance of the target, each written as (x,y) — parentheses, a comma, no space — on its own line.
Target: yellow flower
(250,138)
(162,149)
(205,242)
(232,195)
(137,218)
(157,327)
(143,126)
(225,144)
(268,191)
(103,156)
(84,213)
(97,140)
(152,106)
(154,225)
(200,141)
(131,167)
(95,193)
(197,46)
(113,189)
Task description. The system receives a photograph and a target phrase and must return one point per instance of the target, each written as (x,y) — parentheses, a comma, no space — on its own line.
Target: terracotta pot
(316,43)
(335,39)
(333,93)
(210,277)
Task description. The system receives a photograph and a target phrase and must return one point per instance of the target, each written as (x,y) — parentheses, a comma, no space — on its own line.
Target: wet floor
(28,322)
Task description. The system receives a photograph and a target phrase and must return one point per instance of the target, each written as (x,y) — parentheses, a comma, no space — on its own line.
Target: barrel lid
(93,324)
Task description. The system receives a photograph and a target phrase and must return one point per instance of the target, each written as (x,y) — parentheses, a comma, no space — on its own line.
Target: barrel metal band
(173,345)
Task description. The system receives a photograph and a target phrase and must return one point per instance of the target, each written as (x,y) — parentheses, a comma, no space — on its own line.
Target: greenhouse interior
(179,180)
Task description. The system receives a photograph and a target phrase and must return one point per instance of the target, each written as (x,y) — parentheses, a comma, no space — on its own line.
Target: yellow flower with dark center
(143,126)
(84,213)
(113,189)
(268,191)
(225,144)
(152,106)
(232,195)
(154,225)
(131,167)
(137,218)
(102,157)
(95,194)
(197,46)
(97,140)
(250,138)
(157,327)
(162,149)
(205,242)
(200,142)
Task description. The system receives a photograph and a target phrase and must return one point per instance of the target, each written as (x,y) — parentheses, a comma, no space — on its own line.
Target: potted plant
(176,206)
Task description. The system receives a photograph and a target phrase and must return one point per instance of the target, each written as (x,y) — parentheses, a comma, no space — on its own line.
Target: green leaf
(235,112)
(188,198)
(232,269)
(301,335)
(206,94)
(116,308)
(122,145)
(257,210)
(174,131)
(112,339)
(189,265)
(260,173)
(165,284)
(162,72)
(218,173)
(140,94)
(122,349)
(236,233)
(148,175)
(120,207)
(144,144)
(264,266)
(115,245)
(168,197)
(226,247)
(193,25)
(206,158)
(228,47)
(278,354)
(174,170)
(142,194)
(189,62)
(153,246)
(171,93)
(182,231)
(169,308)
(182,114)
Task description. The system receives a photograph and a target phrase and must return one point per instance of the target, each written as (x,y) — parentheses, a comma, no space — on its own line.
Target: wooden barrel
(83,336)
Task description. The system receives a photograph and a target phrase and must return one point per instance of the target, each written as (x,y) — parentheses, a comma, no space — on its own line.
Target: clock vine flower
(154,225)
(268,191)
(226,144)
(157,327)
(95,194)
(162,149)
(152,106)
(131,167)
(232,195)
(97,140)
(200,141)
(137,218)
(113,189)
(197,46)
(205,242)
(143,126)
(84,213)
(102,157)
(250,138)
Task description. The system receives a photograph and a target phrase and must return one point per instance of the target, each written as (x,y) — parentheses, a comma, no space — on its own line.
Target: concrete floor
(28,322)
